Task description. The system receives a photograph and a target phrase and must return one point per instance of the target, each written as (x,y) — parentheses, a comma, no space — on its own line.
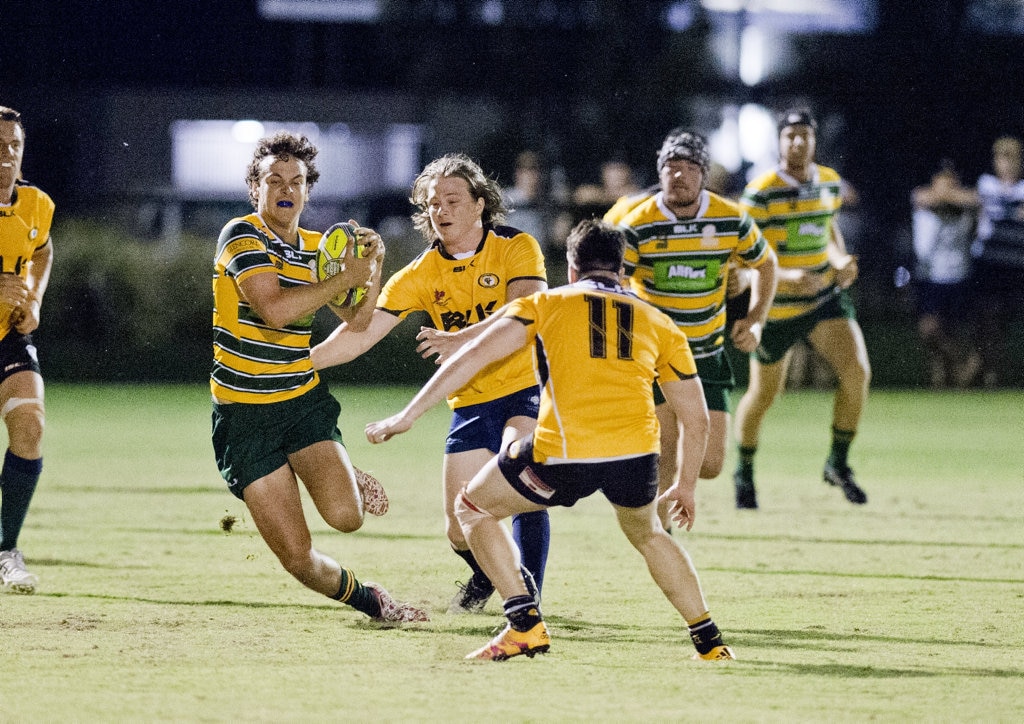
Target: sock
(532,533)
(522,613)
(704,633)
(841,440)
(479,577)
(746,459)
(17,484)
(356,595)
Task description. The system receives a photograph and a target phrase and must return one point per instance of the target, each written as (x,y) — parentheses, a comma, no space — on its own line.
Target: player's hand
(370,239)
(13,290)
(384,430)
(434,341)
(26,317)
(682,507)
(846,271)
(746,334)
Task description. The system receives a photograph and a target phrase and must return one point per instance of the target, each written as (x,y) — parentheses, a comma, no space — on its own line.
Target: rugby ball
(330,260)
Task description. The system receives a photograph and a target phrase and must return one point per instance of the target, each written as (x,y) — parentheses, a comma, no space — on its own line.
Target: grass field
(906,609)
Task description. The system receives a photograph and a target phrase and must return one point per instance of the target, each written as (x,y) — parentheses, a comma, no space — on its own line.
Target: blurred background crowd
(140,118)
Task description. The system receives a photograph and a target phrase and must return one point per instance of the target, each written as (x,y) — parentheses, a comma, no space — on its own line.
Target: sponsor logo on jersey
(461,320)
(697,276)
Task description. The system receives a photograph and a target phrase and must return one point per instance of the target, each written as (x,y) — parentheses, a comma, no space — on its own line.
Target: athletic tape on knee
(467,512)
(18,402)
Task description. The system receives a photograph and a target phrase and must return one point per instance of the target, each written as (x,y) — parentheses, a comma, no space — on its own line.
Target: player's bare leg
(841,344)
(482,506)
(671,568)
(766,383)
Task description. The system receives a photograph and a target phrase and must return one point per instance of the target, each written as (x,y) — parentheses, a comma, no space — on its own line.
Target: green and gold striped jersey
(598,349)
(459,292)
(24,230)
(796,219)
(252,361)
(681,265)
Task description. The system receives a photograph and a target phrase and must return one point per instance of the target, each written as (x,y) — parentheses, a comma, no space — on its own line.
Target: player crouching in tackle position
(598,351)
(26,254)
(274,421)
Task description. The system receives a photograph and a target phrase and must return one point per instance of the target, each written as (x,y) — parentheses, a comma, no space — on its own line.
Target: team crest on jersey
(488,281)
(709,235)
(33,233)
(440,298)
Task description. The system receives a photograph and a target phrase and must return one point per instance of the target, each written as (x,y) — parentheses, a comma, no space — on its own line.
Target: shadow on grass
(875,576)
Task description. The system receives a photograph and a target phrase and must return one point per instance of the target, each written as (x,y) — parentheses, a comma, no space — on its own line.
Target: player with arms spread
(26,254)
(473,265)
(598,350)
(795,205)
(274,421)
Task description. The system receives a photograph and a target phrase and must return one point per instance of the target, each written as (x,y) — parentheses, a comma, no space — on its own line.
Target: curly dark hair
(282,145)
(456,165)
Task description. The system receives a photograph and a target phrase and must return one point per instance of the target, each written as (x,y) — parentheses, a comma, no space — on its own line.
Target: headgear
(797,117)
(688,146)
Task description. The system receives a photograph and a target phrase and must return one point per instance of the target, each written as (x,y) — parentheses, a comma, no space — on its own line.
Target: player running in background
(598,350)
(472,266)
(682,243)
(26,253)
(274,421)
(795,205)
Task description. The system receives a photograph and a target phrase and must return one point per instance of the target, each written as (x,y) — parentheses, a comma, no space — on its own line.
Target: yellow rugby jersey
(24,230)
(796,219)
(624,204)
(681,265)
(598,349)
(459,292)
(253,362)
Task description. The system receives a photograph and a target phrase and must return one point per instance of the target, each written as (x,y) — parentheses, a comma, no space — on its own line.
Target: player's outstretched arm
(346,343)
(502,338)
(686,398)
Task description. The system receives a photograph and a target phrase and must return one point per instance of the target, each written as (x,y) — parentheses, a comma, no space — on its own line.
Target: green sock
(356,595)
(841,440)
(746,459)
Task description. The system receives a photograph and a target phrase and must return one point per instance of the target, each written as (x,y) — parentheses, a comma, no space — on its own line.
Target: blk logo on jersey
(461,320)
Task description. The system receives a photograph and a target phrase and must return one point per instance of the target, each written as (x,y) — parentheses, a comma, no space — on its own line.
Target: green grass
(908,608)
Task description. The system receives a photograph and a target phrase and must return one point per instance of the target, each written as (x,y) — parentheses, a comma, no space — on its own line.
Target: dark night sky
(917,90)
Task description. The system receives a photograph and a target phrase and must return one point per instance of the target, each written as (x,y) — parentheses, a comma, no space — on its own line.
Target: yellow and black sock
(522,612)
(704,633)
(356,595)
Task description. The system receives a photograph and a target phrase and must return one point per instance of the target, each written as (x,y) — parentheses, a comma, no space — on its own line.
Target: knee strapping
(14,402)
(468,513)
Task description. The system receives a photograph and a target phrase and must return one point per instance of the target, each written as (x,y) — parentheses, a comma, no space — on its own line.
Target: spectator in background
(528,206)
(26,254)
(616,181)
(998,274)
(943,228)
